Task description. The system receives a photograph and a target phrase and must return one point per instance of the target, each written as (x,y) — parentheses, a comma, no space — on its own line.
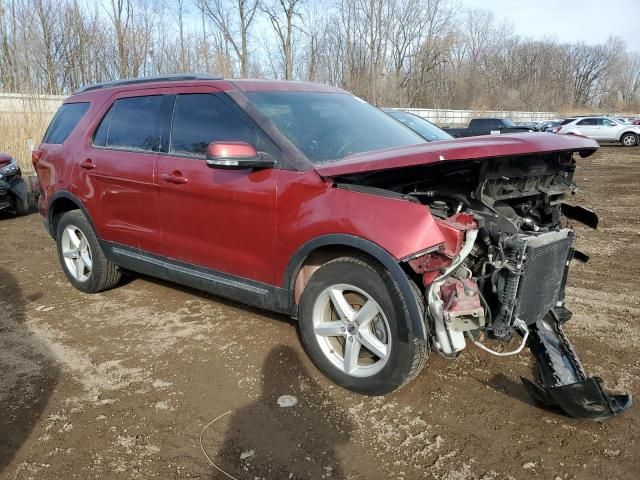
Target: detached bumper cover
(563,381)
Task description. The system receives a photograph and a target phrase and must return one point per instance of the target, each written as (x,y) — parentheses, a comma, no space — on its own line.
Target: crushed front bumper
(563,383)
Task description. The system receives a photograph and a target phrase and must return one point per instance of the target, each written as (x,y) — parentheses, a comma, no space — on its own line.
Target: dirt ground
(122,384)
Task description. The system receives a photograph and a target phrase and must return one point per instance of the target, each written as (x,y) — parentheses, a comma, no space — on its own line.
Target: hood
(469,148)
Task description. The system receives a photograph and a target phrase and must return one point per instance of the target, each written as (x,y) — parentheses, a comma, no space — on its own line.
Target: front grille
(542,282)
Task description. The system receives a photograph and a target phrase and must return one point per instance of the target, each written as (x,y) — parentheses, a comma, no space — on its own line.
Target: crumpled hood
(469,148)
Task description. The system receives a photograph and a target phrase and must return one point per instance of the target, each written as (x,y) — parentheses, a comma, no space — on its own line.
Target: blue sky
(591,21)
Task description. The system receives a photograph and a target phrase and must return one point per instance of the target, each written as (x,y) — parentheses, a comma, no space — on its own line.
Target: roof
(470,148)
(180,79)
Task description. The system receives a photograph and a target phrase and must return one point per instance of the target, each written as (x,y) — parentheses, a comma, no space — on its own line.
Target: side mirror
(236,155)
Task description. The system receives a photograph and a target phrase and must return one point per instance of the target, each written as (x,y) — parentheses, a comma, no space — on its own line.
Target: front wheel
(355,326)
(629,139)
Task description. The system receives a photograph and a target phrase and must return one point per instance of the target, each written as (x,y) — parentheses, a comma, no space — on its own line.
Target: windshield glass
(422,127)
(508,123)
(329,126)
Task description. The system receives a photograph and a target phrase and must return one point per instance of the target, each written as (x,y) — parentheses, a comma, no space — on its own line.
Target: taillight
(35,157)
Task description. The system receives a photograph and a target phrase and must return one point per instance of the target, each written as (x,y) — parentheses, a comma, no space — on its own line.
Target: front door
(223,220)
(117,171)
(608,129)
(589,127)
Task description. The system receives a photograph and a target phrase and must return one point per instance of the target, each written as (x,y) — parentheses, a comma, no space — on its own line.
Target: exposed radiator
(544,269)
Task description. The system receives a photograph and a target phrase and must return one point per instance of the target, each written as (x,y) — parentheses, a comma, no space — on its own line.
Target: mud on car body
(306,200)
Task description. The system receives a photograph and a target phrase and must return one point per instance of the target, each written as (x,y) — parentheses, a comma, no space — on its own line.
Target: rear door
(223,220)
(117,171)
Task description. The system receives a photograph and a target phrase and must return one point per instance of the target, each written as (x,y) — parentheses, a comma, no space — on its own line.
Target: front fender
(416,314)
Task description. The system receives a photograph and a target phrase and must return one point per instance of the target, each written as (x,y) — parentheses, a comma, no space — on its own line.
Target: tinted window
(422,127)
(331,126)
(63,123)
(200,119)
(134,123)
(568,120)
(588,121)
(100,137)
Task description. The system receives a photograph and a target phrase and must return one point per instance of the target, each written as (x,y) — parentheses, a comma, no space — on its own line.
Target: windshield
(329,126)
(422,127)
(508,123)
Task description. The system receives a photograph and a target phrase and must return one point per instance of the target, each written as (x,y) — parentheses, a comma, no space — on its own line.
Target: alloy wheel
(629,140)
(352,330)
(76,253)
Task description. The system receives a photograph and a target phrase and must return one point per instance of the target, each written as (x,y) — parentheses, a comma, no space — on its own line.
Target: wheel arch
(627,132)
(320,250)
(61,202)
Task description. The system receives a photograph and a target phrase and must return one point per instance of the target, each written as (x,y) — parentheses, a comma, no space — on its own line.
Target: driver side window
(202,118)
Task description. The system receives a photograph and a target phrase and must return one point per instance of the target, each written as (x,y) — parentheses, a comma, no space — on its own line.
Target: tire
(629,139)
(80,251)
(22,206)
(327,331)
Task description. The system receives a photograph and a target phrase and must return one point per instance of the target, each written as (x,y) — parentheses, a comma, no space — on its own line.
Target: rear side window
(202,118)
(136,123)
(64,121)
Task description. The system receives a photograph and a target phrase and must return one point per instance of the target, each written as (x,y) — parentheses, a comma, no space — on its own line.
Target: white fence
(25,103)
(462,117)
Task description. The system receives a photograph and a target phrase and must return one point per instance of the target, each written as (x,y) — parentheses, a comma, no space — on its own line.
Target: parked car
(306,200)
(603,129)
(548,125)
(531,125)
(487,126)
(636,121)
(421,126)
(14,196)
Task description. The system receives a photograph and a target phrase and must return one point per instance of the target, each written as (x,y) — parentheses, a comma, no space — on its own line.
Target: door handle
(174,177)
(88,164)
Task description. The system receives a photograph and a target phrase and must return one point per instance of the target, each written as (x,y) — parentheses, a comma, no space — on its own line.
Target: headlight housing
(11,169)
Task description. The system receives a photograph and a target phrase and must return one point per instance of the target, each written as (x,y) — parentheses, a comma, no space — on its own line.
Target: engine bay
(502,268)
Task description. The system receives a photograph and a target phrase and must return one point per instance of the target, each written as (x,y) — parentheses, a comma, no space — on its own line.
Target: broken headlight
(10,169)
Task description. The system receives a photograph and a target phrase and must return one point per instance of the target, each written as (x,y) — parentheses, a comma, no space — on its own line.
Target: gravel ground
(121,384)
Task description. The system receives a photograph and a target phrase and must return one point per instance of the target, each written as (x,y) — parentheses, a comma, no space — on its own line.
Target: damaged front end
(503,266)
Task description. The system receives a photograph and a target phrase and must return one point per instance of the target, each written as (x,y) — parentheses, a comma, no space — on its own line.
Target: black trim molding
(236,288)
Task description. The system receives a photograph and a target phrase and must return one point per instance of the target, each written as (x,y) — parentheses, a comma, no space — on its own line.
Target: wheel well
(58,207)
(628,131)
(319,257)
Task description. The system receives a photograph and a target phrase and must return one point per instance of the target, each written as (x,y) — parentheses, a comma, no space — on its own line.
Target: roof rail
(176,77)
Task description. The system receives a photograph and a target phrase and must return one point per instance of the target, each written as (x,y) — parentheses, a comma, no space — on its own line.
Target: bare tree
(282,14)
(233,19)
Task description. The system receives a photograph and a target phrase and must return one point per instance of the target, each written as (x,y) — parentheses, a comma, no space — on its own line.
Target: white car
(603,129)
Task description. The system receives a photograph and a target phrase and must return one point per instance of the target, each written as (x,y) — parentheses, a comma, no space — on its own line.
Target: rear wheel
(629,139)
(82,259)
(355,327)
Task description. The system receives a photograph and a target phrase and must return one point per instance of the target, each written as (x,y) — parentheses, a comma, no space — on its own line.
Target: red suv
(306,200)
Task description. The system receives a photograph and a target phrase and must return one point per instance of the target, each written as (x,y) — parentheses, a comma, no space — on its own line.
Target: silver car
(602,129)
